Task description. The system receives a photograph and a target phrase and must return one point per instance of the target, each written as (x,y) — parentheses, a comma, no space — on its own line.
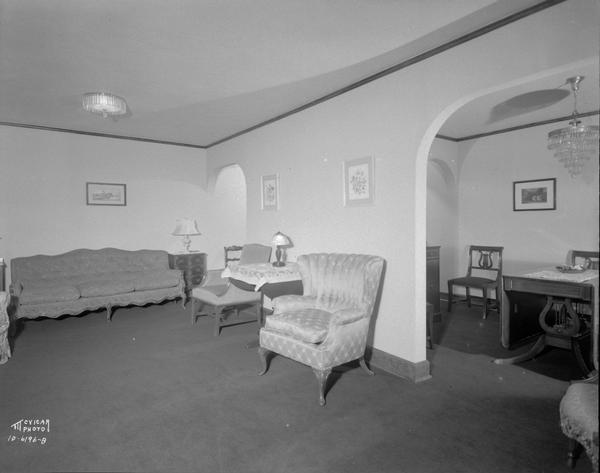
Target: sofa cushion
(37,293)
(106,286)
(307,325)
(154,279)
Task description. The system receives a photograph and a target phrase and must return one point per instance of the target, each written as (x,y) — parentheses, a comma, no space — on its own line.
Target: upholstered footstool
(579,420)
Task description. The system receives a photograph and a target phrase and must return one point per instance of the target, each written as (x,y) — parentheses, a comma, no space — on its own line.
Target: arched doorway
(484,170)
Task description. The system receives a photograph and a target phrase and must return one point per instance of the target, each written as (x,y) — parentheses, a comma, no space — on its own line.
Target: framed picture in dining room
(536,194)
(104,193)
(269,192)
(359,181)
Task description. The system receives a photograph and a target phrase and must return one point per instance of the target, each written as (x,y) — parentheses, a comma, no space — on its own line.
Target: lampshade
(575,144)
(104,104)
(279,239)
(186,226)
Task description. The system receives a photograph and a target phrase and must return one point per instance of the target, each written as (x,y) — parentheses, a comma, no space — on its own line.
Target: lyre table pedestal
(562,325)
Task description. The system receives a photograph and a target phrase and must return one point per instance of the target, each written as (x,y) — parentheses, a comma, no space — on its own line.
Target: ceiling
(196,72)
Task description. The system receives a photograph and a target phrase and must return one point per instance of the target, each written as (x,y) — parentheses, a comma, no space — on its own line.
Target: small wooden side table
(193,266)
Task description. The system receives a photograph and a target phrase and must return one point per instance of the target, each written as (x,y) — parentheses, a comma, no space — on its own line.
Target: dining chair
(483,273)
(587,259)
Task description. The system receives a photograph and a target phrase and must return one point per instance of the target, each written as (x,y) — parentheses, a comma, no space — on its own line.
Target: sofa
(85,280)
(4,324)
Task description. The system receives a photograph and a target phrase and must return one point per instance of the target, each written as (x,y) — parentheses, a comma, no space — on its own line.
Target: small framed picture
(270,192)
(537,194)
(359,181)
(104,193)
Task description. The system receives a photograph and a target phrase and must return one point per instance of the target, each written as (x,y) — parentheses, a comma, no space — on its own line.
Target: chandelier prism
(575,144)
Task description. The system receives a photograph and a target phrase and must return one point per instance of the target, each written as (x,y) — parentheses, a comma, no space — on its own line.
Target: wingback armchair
(328,325)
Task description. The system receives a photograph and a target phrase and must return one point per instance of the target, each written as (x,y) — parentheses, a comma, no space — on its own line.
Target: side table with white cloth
(569,312)
(272,281)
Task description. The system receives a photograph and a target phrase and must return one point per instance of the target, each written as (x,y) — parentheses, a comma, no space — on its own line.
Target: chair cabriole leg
(262,355)
(364,366)
(322,376)
(218,312)
(193,311)
(574,452)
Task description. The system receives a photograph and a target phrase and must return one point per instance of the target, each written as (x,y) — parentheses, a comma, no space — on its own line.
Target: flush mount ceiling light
(576,144)
(105,104)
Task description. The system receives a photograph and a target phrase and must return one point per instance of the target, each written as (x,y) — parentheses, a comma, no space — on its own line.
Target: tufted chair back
(341,281)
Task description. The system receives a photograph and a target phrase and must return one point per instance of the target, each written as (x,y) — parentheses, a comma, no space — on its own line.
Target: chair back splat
(484,273)
(232,253)
(587,259)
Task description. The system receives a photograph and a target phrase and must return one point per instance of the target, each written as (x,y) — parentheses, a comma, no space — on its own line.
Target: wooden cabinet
(193,266)
(433,279)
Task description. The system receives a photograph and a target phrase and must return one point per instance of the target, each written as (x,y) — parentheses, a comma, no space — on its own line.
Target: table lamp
(281,241)
(185,227)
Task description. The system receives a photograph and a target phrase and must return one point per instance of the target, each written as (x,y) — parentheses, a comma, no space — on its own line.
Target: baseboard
(416,372)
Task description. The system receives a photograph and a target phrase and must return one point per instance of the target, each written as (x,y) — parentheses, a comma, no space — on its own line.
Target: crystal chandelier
(576,144)
(105,104)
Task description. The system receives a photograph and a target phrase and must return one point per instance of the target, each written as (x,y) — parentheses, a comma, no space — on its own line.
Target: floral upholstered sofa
(83,279)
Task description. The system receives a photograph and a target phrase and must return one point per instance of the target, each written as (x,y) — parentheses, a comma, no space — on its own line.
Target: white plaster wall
(43,179)
(394,120)
(531,239)
(442,205)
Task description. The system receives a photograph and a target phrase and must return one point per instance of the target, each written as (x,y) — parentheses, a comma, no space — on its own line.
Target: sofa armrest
(293,302)
(347,316)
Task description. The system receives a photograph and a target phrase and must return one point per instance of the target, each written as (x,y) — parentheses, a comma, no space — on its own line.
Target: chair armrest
(292,302)
(347,316)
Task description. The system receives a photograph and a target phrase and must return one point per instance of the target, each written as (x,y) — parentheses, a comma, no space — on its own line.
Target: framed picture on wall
(104,193)
(269,192)
(537,194)
(359,181)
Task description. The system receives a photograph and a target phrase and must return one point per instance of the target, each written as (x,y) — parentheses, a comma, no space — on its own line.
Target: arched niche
(228,211)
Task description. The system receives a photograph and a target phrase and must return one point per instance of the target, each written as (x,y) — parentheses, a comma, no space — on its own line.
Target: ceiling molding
(402,65)
(390,70)
(518,127)
(101,135)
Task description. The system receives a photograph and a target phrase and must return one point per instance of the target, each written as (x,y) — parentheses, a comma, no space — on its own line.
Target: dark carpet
(151,392)
(466,331)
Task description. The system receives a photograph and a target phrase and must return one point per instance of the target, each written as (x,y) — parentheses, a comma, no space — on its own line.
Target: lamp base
(278,264)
